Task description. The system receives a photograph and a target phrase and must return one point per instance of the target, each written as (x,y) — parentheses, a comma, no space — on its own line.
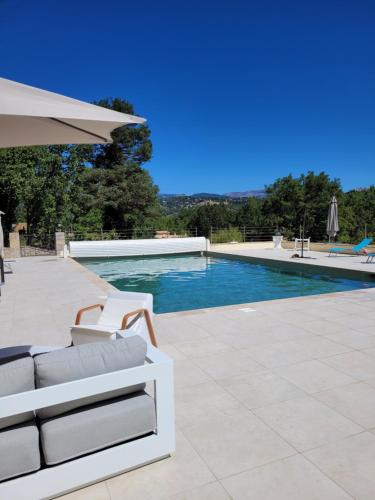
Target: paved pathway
(40,299)
(274,400)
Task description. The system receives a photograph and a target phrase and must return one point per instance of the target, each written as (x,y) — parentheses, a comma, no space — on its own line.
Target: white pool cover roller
(128,248)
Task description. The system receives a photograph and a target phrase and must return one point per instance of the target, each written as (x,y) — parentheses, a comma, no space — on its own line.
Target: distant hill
(208,196)
(257,193)
(173,203)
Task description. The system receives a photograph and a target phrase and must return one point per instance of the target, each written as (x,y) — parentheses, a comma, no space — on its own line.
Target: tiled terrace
(312,258)
(274,400)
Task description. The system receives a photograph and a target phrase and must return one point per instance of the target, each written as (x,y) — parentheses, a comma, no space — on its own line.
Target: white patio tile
(97,491)
(261,389)
(214,322)
(314,376)
(246,340)
(212,491)
(355,321)
(322,326)
(198,401)
(353,338)
(285,332)
(183,471)
(171,351)
(228,364)
(187,373)
(355,401)
(172,330)
(350,463)
(369,329)
(355,364)
(202,348)
(320,347)
(369,352)
(306,423)
(279,354)
(297,317)
(293,478)
(232,444)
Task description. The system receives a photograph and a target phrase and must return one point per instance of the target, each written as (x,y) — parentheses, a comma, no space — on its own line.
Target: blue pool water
(192,282)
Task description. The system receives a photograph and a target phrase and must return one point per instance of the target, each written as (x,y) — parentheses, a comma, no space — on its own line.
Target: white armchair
(123,314)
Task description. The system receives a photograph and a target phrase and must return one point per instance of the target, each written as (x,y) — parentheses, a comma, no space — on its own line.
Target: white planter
(277,241)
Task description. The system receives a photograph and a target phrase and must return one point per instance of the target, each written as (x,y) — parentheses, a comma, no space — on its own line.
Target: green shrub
(227,235)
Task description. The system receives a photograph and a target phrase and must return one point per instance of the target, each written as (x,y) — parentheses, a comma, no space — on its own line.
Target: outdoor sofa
(73,416)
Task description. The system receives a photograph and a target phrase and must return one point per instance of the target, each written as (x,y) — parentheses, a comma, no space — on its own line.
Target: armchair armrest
(84,309)
(146,314)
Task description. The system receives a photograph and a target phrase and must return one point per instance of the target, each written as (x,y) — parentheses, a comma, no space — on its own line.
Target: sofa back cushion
(88,360)
(16,376)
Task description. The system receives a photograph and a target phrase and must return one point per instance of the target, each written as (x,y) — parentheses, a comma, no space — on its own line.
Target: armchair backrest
(120,303)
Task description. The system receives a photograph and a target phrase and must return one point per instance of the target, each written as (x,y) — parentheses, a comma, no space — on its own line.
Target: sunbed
(357,249)
(370,258)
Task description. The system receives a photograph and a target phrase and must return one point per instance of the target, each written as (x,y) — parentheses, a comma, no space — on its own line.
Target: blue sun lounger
(356,249)
(370,258)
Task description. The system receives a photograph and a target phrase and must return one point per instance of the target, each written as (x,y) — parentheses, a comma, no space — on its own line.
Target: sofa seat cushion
(16,376)
(88,360)
(19,450)
(97,426)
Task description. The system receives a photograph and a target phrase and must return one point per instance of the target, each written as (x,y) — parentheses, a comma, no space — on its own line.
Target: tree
(124,194)
(131,144)
(205,217)
(251,214)
(290,199)
(117,185)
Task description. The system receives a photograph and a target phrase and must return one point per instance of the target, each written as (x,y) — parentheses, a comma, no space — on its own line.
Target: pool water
(186,282)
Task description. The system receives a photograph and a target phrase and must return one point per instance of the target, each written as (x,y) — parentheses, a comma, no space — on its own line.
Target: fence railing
(214,234)
(37,244)
(130,234)
(240,234)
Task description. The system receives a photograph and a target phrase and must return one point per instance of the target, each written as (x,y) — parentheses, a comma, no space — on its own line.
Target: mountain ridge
(257,193)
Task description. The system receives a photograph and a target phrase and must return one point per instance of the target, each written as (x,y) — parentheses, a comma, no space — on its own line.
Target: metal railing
(214,234)
(130,234)
(32,245)
(241,234)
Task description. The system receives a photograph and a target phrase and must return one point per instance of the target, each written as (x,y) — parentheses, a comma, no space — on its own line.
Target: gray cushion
(97,426)
(19,450)
(14,352)
(84,361)
(16,376)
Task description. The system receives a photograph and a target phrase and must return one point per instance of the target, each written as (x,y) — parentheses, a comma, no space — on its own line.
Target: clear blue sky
(237,93)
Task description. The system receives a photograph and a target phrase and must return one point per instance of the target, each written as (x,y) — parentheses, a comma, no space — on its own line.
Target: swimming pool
(186,282)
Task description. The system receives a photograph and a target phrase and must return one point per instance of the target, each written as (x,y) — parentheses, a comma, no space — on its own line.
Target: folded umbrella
(333,219)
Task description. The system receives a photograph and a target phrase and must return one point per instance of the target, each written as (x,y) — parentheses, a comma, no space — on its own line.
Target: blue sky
(237,93)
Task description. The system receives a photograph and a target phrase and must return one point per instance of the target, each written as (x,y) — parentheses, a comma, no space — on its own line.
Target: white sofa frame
(77,473)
